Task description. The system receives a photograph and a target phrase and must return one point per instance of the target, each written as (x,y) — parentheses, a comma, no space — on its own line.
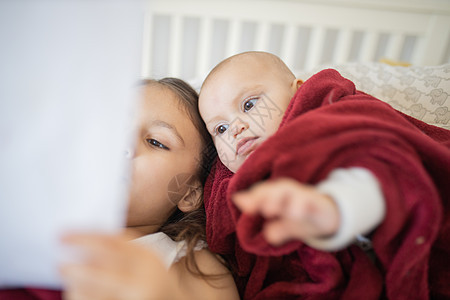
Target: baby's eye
(155,143)
(249,104)
(221,128)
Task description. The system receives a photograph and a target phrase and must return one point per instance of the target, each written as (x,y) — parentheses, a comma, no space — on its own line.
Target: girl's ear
(192,198)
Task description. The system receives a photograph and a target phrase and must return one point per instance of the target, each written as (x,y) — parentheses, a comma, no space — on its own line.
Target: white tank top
(169,250)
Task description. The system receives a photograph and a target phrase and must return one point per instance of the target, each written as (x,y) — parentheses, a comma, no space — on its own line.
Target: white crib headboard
(186,39)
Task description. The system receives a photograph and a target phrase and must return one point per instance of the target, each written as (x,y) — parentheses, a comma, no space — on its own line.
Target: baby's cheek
(225,155)
(232,163)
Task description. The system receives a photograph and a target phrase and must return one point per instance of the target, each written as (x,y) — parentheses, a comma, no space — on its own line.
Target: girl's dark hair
(190,226)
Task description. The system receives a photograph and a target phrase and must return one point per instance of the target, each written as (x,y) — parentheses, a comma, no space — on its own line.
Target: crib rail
(187,38)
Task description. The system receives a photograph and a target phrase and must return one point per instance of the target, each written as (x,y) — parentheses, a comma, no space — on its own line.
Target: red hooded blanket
(330,125)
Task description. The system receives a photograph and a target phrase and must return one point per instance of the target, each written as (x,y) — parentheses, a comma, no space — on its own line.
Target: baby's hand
(293,210)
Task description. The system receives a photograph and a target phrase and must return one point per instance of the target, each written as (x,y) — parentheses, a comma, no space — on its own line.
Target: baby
(229,102)
(310,169)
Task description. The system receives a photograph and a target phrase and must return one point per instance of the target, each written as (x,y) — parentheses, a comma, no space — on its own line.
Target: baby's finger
(267,198)
(249,201)
(282,230)
(242,201)
(254,201)
(276,232)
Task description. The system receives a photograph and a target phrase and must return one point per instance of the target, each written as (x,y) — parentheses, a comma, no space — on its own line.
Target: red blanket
(329,125)
(30,294)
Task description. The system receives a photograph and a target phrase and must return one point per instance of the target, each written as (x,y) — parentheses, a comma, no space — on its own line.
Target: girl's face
(167,153)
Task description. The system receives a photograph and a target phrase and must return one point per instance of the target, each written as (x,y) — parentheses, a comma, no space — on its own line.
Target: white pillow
(421,92)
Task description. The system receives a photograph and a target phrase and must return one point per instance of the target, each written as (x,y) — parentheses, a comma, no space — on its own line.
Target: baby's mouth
(246,146)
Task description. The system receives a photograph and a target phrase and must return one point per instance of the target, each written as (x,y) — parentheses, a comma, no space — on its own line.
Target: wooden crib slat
(175,46)
(395,45)
(369,46)
(262,34)
(204,47)
(315,48)
(429,25)
(432,45)
(288,47)
(343,46)
(233,37)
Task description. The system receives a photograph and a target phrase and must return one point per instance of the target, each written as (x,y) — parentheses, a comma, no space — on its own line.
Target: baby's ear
(297,83)
(192,197)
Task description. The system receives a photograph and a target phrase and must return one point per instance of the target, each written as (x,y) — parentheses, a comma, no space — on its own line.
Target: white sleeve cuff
(361,204)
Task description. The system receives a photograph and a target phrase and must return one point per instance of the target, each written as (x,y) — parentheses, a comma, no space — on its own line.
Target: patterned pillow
(421,92)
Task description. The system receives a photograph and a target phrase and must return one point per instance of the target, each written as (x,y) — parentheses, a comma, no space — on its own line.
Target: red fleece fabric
(30,294)
(330,125)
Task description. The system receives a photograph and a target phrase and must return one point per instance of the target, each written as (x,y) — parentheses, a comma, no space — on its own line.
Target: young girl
(169,259)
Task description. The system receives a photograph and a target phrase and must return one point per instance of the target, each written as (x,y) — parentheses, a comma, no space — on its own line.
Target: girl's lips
(246,145)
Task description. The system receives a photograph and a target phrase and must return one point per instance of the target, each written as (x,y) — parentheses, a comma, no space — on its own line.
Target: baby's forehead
(225,71)
(226,68)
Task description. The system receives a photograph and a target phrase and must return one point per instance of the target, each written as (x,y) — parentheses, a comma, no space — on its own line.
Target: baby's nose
(239,127)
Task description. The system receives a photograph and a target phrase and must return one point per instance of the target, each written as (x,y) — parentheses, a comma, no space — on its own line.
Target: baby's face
(243,105)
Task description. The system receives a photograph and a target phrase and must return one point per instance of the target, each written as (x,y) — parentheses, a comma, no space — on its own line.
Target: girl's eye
(155,143)
(221,129)
(249,104)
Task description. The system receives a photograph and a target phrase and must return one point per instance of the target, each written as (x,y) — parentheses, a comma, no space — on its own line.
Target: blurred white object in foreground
(66,94)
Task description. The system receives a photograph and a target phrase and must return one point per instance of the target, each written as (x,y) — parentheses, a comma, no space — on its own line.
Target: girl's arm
(113,268)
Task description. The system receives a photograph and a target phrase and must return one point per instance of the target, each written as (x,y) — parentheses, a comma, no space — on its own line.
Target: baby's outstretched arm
(328,216)
(293,210)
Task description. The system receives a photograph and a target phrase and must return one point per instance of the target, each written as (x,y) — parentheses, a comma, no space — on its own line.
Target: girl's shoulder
(217,282)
